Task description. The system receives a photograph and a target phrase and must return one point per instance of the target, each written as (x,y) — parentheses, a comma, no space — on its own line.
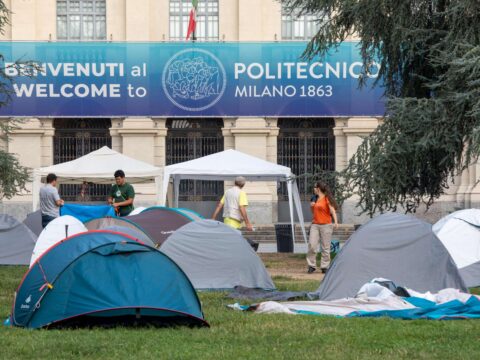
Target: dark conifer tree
(430,67)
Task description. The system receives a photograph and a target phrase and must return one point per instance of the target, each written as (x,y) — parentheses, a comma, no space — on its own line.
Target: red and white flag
(192,22)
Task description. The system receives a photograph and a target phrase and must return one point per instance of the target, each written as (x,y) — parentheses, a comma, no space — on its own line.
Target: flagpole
(194,38)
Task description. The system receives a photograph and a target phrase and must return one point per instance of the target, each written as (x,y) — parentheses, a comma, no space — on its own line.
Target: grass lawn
(238,335)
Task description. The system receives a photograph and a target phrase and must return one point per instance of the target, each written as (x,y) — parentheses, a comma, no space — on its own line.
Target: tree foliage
(13,176)
(429,51)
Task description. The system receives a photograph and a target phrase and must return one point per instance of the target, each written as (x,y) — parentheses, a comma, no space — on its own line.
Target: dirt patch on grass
(289,265)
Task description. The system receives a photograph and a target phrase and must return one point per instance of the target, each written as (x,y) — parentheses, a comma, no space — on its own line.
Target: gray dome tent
(216,257)
(34,222)
(16,241)
(398,247)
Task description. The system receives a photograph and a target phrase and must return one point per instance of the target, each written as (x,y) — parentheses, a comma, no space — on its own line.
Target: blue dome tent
(102,278)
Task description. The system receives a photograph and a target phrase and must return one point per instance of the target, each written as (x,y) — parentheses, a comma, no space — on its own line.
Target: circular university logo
(194,79)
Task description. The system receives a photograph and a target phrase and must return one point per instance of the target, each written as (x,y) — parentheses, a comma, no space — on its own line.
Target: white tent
(137,211)
(460,234)
(57,230)
(228,164)
(98,167)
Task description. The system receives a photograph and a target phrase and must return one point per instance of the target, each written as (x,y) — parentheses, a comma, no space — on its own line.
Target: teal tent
(103,278)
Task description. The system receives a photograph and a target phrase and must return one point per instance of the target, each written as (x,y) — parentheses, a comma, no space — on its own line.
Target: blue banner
(186,79)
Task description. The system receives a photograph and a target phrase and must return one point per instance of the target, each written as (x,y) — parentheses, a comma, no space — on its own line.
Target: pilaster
(142,139)
(160,150)
(340,144)
(256,137)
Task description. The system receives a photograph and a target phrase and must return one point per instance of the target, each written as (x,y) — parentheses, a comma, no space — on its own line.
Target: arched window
(305,145)
(81,20)
(189,139)
(73,139)
(207,19)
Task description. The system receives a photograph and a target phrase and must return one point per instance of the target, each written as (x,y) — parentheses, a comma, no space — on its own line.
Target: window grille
(81,20)
(207,20)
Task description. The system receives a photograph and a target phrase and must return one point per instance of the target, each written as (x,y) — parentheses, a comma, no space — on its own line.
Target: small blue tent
(104,277)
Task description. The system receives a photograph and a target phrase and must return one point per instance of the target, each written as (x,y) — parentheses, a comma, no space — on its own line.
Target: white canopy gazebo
(228,164)
(98,167)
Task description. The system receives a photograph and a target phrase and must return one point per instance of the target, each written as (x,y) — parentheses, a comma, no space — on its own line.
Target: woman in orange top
(323,206)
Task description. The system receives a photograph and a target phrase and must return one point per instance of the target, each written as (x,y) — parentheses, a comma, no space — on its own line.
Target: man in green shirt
(121,195)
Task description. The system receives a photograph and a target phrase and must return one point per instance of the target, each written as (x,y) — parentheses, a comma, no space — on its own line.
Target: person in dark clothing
(121,195)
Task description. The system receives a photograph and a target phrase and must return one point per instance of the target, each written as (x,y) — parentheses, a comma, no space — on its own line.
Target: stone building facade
(158,141)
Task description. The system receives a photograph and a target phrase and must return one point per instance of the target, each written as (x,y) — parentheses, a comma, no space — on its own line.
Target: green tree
(13,176)
(429,52)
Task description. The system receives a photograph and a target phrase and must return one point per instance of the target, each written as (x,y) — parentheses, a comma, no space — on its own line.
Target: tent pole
(37,179)
(158,189)
(176,189)
(298,206)
(290,205)
(166,181)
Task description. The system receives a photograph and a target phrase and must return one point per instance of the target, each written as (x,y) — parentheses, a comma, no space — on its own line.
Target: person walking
(234,204)
(122,195)
(50,201)
(323,207)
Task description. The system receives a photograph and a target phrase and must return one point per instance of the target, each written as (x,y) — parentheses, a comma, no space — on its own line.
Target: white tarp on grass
(374,300)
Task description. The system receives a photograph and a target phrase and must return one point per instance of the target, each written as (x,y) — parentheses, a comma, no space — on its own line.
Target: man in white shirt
(234,204)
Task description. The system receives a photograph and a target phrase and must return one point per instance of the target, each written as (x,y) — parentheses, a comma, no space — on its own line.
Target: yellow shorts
(232,223)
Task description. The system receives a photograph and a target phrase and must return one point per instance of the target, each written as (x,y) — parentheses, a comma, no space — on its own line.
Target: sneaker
(324,270)
(311,269)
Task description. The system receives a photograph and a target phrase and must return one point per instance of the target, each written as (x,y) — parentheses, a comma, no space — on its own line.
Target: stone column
(272,142)
(138,139)
(474,196)
(117,142)
(160,126)
(340,143)
(228,138)
(350,133)
(3,142)
(47,141)
(257,137)
(462,188)
(32,144)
